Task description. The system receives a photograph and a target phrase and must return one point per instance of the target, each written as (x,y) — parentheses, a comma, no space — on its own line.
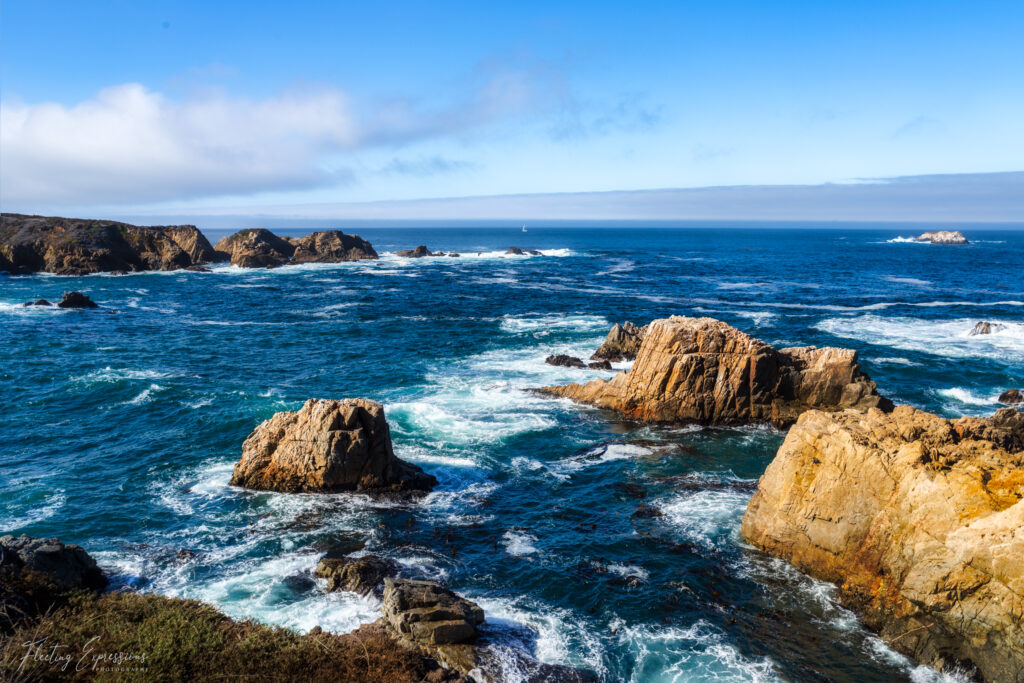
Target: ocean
(121,426)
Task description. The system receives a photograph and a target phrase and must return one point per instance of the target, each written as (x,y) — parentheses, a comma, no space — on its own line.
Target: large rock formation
(75,246)
(622,343)
(703,370)
(327,446)
(429,614)
(918,519)
(69,565)
(260,248)
(942,237)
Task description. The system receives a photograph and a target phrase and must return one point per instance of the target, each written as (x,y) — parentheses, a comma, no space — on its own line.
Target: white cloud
(130,145)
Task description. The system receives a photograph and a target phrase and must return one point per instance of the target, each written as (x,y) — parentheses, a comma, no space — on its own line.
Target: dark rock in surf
(645,511)
(1011,396)
(622,343)
(69,565)
(37,302)
(599,365)
(76,300)
(363,575)
(984,327)
(564,361)
(418,252)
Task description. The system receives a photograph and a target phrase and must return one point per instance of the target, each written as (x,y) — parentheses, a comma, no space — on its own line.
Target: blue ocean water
(121,426)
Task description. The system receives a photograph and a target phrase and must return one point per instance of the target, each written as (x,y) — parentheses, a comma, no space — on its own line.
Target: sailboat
(524,227)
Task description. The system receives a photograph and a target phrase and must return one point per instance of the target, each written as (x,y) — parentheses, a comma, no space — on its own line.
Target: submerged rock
(517,251)
(363,575)
(622,343)
(418,252)
(325,446)
(705,371)
(76,246)
(942,237)
(564,361)
(37,302)
(918,519)
(76,300)
(1011,396)
(68,564)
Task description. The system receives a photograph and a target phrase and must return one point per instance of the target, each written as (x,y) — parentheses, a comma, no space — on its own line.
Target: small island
(942,237)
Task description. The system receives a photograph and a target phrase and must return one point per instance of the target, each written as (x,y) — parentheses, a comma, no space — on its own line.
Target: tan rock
(942,237)
(331,246)
(918,519)
(703,370)
(327,445)
(256,248)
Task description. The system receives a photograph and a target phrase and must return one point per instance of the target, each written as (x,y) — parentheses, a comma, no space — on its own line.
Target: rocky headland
(702,370)
(327,446)
(260,248)
(919,520)
(75,246)
(942,237)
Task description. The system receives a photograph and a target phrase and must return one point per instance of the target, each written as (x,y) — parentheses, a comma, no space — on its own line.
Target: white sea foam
(700,652)
(41,511)
(908,281)
(109,374)
(146,396)
(895,361)
(949,338)
(968,397)
(519,543)
(628,571)
(602,453)
(525,323)
(707,518)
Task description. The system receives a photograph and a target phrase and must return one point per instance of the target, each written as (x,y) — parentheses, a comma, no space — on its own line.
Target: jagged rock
(942,237)
(1011,396)
(564,361)
(256,248)
(517,251)
(984,327)
(622,343)
(918,519)
(37,302)
(199,269)
(331,246)
(327,445)
(363,575)
(418,252)
(75,246)
(429,614)
(704,371)
(68,564)
(599,365)
(76,300)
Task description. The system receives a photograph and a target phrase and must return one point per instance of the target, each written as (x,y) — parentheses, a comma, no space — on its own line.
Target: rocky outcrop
(364,575)
(76,300)
(260,248)
(599,365)
(69,565)
(517,251)
(331,246)
(918,519)
(418,252)
(942,237)
(704,371)
(984,327)
(75,246)
(327,446)
(622,343)
(1011,396)
(429,614)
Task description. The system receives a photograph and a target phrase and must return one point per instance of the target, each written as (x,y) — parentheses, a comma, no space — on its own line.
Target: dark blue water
(121,425)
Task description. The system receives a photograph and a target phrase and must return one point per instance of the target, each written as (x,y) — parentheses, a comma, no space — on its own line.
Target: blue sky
(182,107)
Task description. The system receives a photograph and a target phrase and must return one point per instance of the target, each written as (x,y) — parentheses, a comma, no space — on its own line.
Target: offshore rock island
(704,371)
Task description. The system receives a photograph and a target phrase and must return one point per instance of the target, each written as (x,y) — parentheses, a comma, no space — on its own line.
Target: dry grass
(166,639)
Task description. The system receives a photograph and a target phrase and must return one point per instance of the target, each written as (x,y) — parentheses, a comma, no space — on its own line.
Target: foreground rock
(260,248)
(561,360)
(1011,396)
(622,343)
(364,575)
(68,564)
(327,446)
(76,246)
(439,623)
(918,519)
(942,237)
(705,371)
